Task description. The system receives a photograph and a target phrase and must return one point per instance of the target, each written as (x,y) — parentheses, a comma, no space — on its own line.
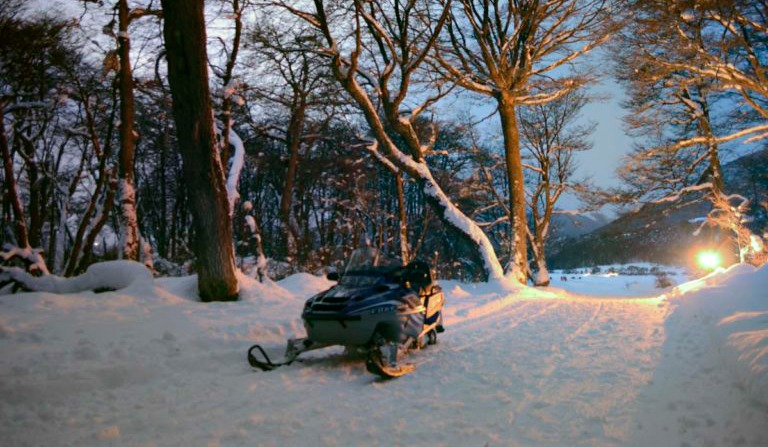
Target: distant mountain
(569,225)
(664,233)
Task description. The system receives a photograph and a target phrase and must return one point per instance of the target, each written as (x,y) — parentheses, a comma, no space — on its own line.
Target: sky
(610,142)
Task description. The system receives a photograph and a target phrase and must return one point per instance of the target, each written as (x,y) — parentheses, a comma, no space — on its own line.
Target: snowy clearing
(150,366)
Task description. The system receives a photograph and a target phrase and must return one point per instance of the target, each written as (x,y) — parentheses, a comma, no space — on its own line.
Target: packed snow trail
(565,373)
(537,368)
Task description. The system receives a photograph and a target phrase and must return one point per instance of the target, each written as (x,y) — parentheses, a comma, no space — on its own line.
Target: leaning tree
(376,51)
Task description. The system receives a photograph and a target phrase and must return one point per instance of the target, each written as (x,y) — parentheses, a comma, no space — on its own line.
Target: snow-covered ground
(148,366)
(605,283)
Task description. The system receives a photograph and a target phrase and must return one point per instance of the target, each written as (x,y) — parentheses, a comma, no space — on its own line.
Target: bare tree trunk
(519,261)
(403,218)
(262,270)
(542,278)
(61,237)
(99,220)
(162,246)
(77,245)
(22,236)
(716,170)
(226,105)
(26,148)
(185,43)
(102,183)
(293,140)
(129,230)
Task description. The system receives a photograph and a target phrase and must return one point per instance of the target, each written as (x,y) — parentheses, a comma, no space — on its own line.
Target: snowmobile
(378,306)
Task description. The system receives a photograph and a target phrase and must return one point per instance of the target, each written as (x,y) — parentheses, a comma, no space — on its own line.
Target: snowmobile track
(507,320)
(555,359)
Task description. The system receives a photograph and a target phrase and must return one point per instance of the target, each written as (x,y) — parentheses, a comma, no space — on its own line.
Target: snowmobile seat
(419,275)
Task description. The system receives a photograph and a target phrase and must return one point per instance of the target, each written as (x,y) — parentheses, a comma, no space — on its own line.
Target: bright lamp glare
(708,259)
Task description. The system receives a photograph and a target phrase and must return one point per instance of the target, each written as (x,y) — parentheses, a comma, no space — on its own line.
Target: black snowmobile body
(397,304)
(377,305)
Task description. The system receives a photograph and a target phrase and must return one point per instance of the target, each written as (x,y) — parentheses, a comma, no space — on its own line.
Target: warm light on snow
(708,259)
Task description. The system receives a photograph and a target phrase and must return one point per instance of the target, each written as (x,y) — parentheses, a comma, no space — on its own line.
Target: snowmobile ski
(266,364)
(295,347)
(382,361)
(386,371)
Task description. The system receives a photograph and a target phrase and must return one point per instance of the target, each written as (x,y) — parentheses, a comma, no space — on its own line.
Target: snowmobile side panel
(346,331)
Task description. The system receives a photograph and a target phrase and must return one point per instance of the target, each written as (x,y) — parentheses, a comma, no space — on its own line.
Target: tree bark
(130,232)
(519,262)
(403,218)
(542,278)
(716,170)
(22,236)
(34,208)
(293,140)
(162,245)
(185,43)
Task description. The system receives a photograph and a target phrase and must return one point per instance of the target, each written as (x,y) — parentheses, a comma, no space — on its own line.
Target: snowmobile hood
(342,300)
(348,295)
(357,293)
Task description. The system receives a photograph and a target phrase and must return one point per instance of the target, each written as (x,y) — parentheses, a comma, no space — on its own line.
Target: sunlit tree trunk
(127,186)
(518,267)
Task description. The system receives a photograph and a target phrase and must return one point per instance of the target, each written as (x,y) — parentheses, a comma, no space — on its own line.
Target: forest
(275,137)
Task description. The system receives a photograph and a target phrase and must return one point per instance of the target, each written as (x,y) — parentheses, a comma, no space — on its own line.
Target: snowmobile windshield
(368,266)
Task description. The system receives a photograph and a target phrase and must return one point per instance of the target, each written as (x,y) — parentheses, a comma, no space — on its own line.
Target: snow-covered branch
(238,160)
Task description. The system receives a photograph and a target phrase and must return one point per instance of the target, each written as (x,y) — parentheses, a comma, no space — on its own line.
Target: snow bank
(296,287)
(112,275)
(304,284)
(734,304)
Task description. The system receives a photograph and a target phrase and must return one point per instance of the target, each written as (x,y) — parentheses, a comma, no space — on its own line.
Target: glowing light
(708,259)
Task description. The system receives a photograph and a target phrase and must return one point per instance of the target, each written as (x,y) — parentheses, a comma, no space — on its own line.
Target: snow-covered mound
(111,275)
(733,304)
(148,364)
